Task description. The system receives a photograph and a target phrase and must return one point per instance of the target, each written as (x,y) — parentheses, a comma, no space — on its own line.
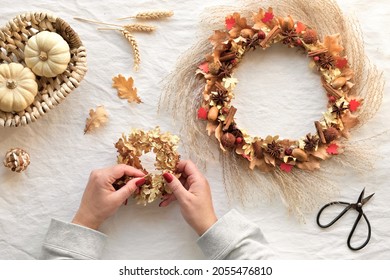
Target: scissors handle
(353,230)
(349,205)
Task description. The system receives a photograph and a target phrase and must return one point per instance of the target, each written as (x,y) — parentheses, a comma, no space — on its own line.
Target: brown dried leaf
(96,119)
(311,165)
(218,37)
(260,163)
(125,88)
(349,121)
(321,153)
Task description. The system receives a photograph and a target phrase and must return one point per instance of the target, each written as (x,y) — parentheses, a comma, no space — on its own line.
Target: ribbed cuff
(71,241)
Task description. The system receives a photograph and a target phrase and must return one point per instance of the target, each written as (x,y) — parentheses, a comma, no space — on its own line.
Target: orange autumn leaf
(332,43)
(96,119)
(300,27)
(126,89)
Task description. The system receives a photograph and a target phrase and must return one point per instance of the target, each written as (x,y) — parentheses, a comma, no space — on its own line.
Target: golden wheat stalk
(134,45)
(139,28)
(151,15)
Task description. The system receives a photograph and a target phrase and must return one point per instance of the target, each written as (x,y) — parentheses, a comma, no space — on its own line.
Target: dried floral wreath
(229,48)
(140,142)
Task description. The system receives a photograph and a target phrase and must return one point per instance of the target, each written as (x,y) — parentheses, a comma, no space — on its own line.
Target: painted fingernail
(126,202)
(168,177)
(160,205)
(140,182)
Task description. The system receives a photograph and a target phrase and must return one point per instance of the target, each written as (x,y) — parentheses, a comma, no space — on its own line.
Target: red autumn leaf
(202,113)
(204,67)
(230,22)
(268,16)
(341,62)
(300,27)
(353,105)
(332,149)
(286,167)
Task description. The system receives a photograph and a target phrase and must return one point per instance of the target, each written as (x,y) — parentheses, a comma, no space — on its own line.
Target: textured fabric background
(62,156)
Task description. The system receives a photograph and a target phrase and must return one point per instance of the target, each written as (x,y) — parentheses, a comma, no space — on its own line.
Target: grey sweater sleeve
(71,241)
(234,237)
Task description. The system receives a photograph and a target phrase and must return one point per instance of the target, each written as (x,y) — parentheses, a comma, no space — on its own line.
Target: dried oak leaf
(96,119)
(333,45)
(126,89)
(310,165)
(349,121)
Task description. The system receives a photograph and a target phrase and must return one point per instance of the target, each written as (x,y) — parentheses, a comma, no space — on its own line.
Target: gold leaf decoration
(96,119)
(126,89)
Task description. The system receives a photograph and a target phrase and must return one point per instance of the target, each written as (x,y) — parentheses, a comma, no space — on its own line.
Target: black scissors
(358,206)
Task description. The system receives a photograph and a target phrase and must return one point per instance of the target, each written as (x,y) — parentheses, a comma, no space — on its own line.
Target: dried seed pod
(299,154)
(247,33)
(228,140)
(17,160)
(331,134)
(310,36)
(214,68)
(213,114)
(339,82)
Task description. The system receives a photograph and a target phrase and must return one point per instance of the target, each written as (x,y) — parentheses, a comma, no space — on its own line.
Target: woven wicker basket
(51,91)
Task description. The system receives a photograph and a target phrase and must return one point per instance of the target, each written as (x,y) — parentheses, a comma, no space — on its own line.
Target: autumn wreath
(131,147)
(270,152)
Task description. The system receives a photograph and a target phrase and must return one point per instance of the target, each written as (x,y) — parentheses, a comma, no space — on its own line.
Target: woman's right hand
(193,193)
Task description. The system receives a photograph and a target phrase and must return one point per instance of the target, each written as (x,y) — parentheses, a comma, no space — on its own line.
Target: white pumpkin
(18,87)
(47,54)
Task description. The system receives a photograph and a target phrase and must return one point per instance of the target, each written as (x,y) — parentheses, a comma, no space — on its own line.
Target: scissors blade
(366,199)
(361,196)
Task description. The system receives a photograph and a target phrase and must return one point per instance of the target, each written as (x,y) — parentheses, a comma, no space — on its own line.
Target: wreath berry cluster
(263,30)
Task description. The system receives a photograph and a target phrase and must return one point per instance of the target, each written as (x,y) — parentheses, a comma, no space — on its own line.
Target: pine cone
(310,36)
(17,160)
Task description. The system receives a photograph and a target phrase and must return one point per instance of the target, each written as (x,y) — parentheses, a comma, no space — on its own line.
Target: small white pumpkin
(47,54)
(18,87)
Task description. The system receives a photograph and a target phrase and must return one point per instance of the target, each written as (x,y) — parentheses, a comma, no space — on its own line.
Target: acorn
(287,23)
(331,134)
(258,149)
(247,33)
(299,154)
(310,36)
(339,82)
(213,113)
(228,140)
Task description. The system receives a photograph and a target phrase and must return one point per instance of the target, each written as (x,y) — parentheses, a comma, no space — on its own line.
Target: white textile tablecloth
(62,156)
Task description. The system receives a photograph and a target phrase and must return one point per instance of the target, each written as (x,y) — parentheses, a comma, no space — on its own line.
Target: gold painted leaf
(126,89)
(96,119)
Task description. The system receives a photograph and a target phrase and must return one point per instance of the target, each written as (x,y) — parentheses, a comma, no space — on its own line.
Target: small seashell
(17,160)
(299,154)
(213,114)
